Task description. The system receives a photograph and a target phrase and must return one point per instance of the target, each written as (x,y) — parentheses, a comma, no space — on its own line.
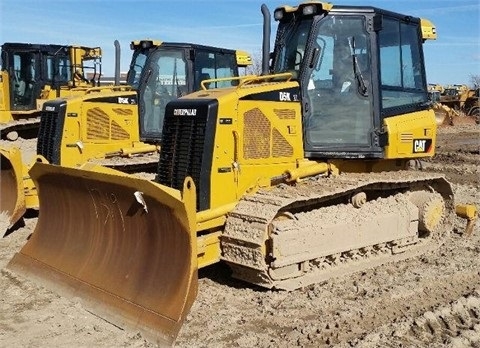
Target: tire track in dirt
(456,324)
(339,312)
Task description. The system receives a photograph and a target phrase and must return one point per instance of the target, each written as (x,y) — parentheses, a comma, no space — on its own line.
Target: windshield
(164,80)
(59,69)
(136,67)
(337,86)
(290,46)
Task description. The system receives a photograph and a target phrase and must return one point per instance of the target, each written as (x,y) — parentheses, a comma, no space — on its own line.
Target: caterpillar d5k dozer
(123,129)
(299,175)
(34,73)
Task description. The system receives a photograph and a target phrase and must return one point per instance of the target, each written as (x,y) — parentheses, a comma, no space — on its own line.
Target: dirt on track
(428,301)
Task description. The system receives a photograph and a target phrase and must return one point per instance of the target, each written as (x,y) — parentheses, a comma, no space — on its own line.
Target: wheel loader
(34,73)
(455,104)
(291,177)
(119,125)
(444,115)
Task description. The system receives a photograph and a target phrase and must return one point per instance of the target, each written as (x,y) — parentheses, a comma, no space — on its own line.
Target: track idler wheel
(431,208)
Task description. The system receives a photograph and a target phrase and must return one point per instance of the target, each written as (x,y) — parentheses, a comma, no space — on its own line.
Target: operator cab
(29,67)
(356,66)
(162,72)
(33,66)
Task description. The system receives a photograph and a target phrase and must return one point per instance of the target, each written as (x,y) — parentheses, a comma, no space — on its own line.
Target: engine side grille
(280,146)
(98,124)
(256,135)
(50,132)
(118,133)
(187,149)
(101,126)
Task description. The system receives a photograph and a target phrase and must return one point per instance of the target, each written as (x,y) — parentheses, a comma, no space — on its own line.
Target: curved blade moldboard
(129,256)
(12,196)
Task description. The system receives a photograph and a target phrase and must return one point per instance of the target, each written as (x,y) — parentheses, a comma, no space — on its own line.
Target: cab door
(24,80)
(337,92)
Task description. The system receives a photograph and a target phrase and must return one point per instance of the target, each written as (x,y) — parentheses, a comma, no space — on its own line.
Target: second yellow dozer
(292,177)
(114,127)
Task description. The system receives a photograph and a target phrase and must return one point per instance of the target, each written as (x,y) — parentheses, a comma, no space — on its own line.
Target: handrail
(245,80)
(287,75)
(112,87)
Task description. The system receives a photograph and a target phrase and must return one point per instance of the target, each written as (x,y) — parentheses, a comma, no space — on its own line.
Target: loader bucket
(442,118)
(122,245)
(12,196)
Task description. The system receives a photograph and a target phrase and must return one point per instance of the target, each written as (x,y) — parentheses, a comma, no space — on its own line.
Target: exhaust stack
(266,39)
(117,62)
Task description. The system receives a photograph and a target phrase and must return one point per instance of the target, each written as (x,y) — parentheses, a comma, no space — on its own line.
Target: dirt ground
(428,301)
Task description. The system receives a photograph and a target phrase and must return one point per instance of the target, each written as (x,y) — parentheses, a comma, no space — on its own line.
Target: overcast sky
(236,24)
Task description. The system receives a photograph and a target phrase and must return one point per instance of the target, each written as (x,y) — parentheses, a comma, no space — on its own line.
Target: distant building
(109,80)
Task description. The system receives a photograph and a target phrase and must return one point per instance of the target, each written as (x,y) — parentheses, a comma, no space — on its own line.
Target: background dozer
(291,177)
(127,123)
(117,125)
(34,73)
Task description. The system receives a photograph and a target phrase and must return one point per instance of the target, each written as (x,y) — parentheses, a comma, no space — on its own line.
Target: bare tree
(256,67)
(475,80)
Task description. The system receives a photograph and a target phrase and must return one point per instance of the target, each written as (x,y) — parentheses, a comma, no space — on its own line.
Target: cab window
(402,80)
(215,65)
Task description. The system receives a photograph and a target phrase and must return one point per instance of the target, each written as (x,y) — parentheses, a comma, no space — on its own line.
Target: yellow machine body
(91,126)
(245,178)
(121,122)
(12,202)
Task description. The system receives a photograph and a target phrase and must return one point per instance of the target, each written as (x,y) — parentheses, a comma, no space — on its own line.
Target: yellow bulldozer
(454,96)
(129,122)
(291,177)
(119,125)
(455,104)
(34,73)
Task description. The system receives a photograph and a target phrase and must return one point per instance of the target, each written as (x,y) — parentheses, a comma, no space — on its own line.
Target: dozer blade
(123,245)
(12,196)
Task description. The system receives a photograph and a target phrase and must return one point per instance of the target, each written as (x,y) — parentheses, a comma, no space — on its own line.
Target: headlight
(147,44)
(309,10)
(278,14)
